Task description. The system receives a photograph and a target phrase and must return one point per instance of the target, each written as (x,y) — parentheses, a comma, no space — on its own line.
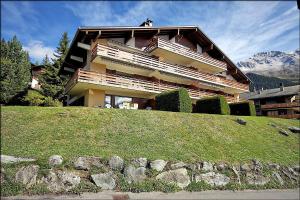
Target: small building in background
(36,70)
(282,102)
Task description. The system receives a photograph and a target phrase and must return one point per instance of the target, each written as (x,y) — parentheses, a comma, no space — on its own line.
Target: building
(117,66)
(36,70)
(283,102)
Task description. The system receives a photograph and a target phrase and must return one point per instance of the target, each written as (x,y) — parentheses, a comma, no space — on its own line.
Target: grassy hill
(72,131)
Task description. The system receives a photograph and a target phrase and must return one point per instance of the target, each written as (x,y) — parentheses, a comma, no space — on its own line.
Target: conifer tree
(15,69)
(51,83)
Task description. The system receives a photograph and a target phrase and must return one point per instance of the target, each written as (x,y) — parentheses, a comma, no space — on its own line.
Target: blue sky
(240,29)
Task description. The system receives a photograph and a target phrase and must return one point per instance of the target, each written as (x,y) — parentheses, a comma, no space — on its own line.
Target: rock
(246,167)
(289,174)
(179,177)
(256,179)
(105,181)
(278,178)
(192,167)
(61,181)
(178,165)
(135,175)
(140,162)
(296,168)
(235,171)
(221,166)
(291,170)
(27,175)
(207,166)
(116,163)
(213,179)
(55,160)
(158,165)
(85,163)
(241,121)
(294,129)
(283,132)
(274,166)
(257,165)
(12,159)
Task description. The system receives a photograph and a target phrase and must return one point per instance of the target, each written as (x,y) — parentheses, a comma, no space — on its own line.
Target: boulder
(294,129)
(105,181)
(178,165)
(283,132)
(296,168)
(256,179)
(61,181)
(274,166)
(135,175)
(140,162)
(85,163)
(213,179)
(179,177)
(158,165)
(287,172)
(278,178)
(55,160)
(221,166)
(27,175)
(246,167)
(207,166)
(241,121)
(257,165)
(116,163)
(12,159)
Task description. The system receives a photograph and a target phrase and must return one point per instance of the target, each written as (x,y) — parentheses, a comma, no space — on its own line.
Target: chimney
(281,86)
(147,23)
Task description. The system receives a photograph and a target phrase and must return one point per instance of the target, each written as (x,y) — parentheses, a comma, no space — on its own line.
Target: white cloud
(37,50)
(240,29)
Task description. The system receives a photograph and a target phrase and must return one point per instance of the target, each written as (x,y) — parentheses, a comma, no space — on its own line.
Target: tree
(15,69)
(51,83)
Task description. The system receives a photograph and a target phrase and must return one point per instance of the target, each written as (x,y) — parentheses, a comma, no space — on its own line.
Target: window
(120,100)
(108,101)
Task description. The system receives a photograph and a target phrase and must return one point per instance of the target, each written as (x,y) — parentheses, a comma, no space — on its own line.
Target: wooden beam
(84,46)
(132,33)
(208,48)
(76,58)
(69,69)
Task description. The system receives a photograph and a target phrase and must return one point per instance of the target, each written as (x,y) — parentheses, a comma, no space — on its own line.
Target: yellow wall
(96,67)
(94,98)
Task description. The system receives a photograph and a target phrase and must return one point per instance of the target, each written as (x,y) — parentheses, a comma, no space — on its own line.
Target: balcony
(183,55)
(281,105)
(109,81)
(148,62)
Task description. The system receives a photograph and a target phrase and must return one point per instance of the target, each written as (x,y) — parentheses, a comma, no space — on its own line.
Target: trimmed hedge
(246,108)
(175,100)
(213,105)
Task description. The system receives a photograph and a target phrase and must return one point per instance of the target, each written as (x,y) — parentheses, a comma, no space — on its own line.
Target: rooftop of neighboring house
(87,34)
(269,93)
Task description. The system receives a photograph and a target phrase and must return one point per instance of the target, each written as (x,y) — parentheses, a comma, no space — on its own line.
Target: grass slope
(72,131)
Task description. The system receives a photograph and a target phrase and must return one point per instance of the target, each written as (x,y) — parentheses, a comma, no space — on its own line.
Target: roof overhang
(86,34)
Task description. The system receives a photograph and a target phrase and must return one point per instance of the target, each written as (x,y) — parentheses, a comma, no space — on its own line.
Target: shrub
(213,105)
(176,101)
(49,101)
(34,98)
(246,108)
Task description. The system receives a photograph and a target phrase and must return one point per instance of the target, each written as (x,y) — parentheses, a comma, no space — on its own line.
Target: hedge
(213,105)
(246,108)
(175,100)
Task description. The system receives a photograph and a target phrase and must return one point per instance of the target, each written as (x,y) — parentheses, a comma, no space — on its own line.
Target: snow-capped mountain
(274,63)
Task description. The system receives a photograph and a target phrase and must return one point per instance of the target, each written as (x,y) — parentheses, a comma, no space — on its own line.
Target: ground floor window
(112,101)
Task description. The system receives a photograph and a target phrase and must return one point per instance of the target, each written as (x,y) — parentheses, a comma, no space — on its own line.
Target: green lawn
(75,131)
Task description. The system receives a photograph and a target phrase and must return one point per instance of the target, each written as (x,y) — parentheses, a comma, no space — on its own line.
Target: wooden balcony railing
(184,51)
(280,105)
(153,63)
(125,82)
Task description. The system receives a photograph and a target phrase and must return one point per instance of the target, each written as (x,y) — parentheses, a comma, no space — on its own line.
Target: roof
(87,33)
(276,92)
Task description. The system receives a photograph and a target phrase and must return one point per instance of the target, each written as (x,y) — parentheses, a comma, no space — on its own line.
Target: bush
(243,108)
(49,101)
(176,101)
(34,98)
(213,105)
